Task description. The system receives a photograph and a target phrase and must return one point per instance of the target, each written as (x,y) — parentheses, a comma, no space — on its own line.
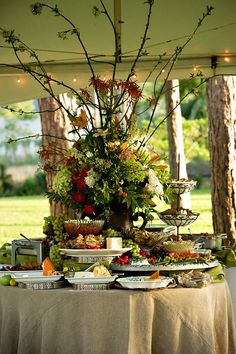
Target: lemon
(5,280)
(13,282)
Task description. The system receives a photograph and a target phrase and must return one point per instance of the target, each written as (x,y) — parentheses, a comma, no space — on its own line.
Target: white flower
(91,178)
(154,184)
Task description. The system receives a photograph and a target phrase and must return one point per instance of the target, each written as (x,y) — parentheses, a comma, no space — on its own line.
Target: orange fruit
(48,267)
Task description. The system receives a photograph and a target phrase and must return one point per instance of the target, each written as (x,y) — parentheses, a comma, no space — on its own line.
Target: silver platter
(182,187)
(92,259)
(93,286)
(178,219)
(43,285)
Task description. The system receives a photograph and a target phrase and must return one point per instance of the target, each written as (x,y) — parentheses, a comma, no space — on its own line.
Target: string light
(18,80)
(74,79)
(227,59)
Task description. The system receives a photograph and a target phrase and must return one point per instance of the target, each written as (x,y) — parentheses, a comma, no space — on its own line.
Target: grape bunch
(111,233)
(57,224)
(160,252)
(55,256)
(131,244)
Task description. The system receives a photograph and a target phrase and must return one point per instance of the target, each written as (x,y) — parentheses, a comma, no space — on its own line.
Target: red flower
(88,209)
(69,161)
(101,85)
(80,198)
(75,176)
(80,183)
(84,172)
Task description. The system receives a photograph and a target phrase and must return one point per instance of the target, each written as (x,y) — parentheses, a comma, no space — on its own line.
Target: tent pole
(117,25)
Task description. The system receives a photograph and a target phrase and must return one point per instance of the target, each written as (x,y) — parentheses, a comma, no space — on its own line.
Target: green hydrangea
(62,181)
(133,171)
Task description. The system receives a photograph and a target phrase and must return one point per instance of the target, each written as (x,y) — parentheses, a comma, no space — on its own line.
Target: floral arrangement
(109,164)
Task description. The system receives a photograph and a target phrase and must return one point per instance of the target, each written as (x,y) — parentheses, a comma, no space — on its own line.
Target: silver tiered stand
(179,220)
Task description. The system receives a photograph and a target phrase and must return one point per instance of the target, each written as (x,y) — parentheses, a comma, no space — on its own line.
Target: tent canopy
(212,50)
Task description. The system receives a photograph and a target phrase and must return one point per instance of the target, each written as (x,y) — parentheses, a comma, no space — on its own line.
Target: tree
(175,137)
(221,93)
(54,123)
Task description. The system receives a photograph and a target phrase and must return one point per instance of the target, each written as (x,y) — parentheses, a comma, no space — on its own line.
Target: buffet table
(169,321)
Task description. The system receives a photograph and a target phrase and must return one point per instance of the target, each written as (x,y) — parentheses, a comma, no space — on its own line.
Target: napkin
(227,257)
(217,274)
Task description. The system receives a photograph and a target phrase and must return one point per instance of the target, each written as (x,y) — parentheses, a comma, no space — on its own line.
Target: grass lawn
(25,215)
(22,215)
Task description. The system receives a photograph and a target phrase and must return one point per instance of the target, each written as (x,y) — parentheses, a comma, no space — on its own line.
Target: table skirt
(66,321)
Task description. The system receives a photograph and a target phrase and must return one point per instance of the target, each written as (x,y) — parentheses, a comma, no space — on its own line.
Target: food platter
(75,252)
(144,282)
(34,277)
(164,267)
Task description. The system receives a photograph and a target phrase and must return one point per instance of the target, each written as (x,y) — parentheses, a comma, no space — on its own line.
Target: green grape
(57,223)
(128,243)
(55,256)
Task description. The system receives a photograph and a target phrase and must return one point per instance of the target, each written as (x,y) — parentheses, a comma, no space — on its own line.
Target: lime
(5,279)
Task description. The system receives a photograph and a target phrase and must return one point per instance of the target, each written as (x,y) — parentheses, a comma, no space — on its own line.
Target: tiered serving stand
(179,187)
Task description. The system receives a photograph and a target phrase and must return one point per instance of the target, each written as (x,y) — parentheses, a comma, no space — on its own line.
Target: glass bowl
(179,246)
(83,227)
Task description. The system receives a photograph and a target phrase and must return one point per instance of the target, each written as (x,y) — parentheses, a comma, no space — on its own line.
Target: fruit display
(161,256)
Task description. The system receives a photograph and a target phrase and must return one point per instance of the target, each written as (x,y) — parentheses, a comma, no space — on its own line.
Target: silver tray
(43,285)
(182,187)
(178,219)
(92,259)
(164,267)
(93,286)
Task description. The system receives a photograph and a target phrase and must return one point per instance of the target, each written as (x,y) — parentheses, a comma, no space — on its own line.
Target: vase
(121,218)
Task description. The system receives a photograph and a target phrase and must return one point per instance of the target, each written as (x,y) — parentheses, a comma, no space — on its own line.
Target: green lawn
(25,215)
(22,215)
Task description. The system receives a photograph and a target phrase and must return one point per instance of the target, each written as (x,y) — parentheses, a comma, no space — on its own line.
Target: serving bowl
(83,227)
(179,246)
(144,282)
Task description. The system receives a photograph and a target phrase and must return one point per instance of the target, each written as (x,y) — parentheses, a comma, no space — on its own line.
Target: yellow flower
(81,120)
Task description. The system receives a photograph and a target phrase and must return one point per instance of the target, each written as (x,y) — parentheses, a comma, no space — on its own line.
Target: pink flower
(88,209)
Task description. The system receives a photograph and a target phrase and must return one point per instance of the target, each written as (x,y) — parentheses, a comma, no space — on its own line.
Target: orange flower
(161,167)
(80,121)
(122,194)
(154,158)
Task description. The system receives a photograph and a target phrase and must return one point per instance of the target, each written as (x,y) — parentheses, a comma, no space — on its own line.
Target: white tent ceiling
(172,21)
